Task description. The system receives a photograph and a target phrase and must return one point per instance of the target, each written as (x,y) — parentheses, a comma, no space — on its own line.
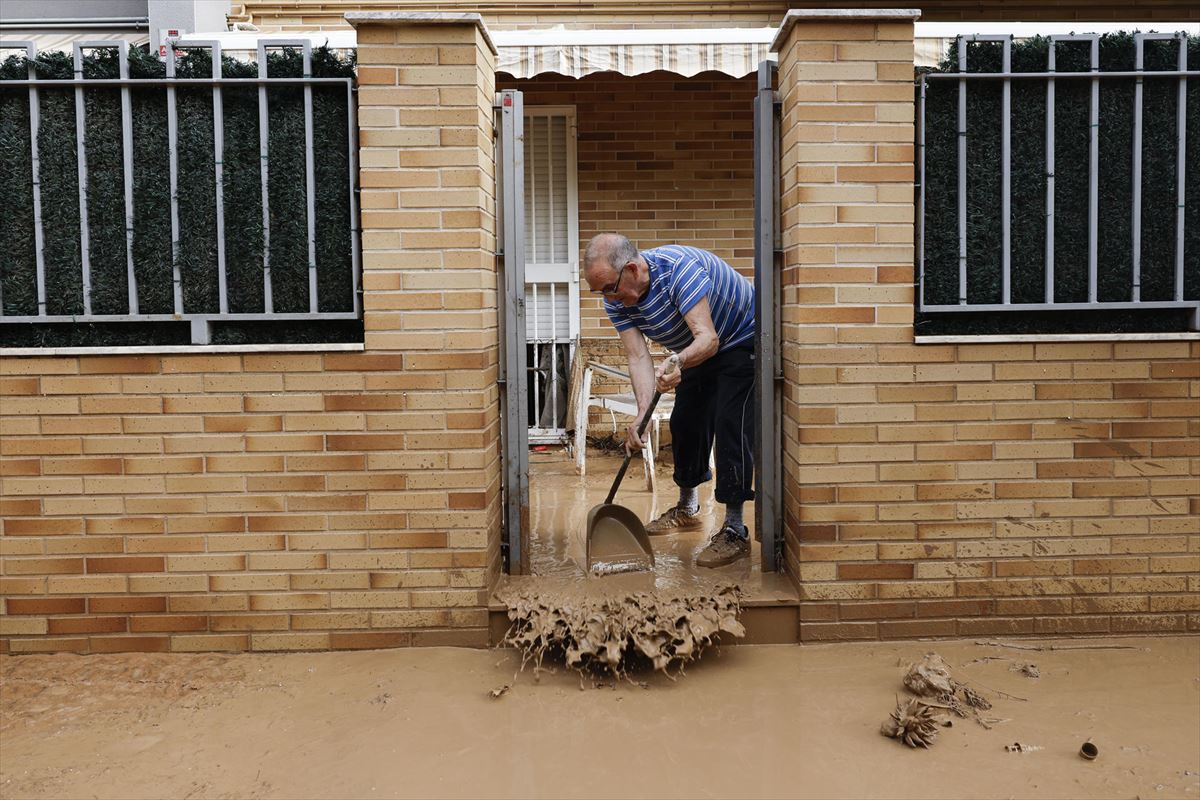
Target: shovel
(616,539)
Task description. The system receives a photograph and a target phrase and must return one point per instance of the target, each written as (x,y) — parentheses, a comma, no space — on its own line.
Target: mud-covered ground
(783,721)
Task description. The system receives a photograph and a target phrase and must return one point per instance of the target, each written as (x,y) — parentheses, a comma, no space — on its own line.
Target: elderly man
(694,304)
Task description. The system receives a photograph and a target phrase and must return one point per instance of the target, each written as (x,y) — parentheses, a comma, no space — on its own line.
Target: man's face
(615,285)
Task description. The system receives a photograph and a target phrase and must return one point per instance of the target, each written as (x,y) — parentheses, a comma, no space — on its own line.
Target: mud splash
(612,632)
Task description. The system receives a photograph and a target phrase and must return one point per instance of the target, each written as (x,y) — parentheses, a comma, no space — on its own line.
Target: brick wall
(289,501)
(941,490)
(317,500)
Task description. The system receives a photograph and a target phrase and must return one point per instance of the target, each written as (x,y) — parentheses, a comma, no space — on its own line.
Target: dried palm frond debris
(916,719)
(913,723)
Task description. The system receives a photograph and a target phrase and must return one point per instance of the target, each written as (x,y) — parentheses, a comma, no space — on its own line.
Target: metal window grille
(1050,76)
(200,322)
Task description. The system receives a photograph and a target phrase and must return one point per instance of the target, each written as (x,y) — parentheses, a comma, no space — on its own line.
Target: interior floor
(559,501)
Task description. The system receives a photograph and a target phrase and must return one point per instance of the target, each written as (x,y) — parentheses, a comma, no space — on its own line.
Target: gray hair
(613,249)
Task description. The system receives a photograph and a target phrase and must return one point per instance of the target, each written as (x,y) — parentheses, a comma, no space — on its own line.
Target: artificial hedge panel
(197,247)
(243,265)
(105,189)
(16,225)
(151,216)
(1029,180)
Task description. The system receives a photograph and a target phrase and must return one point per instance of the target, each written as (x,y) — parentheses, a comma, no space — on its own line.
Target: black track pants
(716,400)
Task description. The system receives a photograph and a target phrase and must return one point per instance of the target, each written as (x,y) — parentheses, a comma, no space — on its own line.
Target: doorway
(660,175)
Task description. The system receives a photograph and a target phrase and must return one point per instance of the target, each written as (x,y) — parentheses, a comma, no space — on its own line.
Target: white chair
(623,404)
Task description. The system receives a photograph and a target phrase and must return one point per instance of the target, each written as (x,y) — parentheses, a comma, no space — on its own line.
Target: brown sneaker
(675,519)
(725,547)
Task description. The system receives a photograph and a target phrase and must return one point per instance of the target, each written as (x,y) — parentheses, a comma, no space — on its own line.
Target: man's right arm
(641,374)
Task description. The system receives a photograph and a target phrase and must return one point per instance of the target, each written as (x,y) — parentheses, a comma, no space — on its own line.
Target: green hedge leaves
(197,252)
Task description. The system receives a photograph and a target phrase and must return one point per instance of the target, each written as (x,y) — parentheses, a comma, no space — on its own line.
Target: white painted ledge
(797,15)
(357,18)
(179,349)
(1012,338)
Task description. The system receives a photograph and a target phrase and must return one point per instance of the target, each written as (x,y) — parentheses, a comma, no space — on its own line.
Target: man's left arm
(705,343)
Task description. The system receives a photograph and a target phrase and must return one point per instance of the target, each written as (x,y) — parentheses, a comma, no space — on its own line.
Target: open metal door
(514,394)
(552,266)
(768,488)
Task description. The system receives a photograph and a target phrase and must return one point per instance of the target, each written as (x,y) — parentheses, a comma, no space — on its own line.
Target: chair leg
(581,420)
(648,462)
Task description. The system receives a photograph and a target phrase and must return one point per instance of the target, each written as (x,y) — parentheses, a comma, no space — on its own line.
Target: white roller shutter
(551,263)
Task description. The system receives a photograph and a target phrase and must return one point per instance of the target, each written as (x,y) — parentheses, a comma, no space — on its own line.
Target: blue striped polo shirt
(679,277)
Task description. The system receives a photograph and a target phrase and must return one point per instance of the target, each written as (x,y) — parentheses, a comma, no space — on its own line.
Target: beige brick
(23,626)
(1157,564)
(168,583)
(248,622)
(86,585)
(207,603)
(955,569)
(289,601)
(287,561)
(839,552)
(249,582)
(1034,450)
(209,643)
(331,620)
(916,472)
(916,589)
(329,581)
(372,599)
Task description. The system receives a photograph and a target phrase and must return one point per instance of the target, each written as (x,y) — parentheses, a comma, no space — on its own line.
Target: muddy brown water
(620,611)
(778,721)
(559,501)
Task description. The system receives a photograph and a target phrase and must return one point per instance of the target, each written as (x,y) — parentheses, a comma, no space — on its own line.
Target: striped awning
(732,51)
(63,39)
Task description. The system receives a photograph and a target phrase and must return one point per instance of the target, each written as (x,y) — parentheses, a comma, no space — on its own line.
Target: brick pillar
(426,87)
(845,78)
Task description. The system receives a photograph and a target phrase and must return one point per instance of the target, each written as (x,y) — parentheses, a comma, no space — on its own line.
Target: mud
(147,683)
(614,632)
(781,721)
(559,502)
(931,678)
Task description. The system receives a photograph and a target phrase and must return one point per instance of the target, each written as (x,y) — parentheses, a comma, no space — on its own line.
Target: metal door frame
(511,278)
(768,486)
(510,266)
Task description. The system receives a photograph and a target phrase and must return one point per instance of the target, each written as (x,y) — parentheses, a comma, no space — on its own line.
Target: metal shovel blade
(616,541)
(616,538)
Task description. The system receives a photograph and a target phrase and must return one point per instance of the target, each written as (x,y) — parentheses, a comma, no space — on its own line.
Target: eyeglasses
(612,289)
